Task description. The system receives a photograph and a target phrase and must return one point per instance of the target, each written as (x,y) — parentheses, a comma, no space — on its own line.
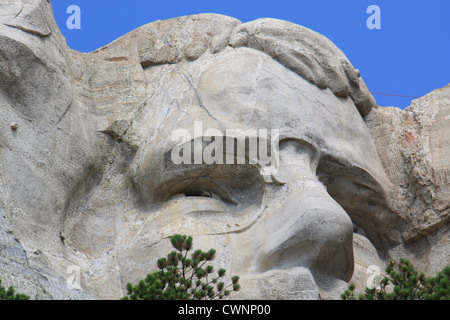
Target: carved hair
(308,53)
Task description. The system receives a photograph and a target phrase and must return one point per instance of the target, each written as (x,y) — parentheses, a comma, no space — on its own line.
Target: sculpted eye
(160,183)
(201,188)
(199,193)
(196,194)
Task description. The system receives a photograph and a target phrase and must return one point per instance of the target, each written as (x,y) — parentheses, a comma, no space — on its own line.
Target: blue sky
(409,55)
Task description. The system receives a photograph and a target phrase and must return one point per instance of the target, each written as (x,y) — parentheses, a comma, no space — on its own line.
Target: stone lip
(291,284)
(296,283)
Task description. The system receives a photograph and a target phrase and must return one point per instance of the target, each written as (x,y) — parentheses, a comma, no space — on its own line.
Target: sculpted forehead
(249,86)
(248,89)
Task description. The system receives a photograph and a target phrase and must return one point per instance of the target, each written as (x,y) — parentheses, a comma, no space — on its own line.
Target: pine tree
(183,278)
(10,293)
(440,285)
(406,284)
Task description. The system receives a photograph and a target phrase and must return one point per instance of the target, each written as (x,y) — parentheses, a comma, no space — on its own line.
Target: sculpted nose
(311,229)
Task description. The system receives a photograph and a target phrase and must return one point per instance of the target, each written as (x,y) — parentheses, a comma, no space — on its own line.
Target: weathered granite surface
(86,178)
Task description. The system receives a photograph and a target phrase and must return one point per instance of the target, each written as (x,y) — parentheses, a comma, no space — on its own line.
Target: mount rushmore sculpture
(87,181)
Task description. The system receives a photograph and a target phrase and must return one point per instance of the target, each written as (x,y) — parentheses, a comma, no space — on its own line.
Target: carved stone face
(87,177)
(285,228)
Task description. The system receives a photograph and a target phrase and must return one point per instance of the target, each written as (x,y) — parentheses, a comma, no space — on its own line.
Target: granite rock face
(87,177)
(413,145)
